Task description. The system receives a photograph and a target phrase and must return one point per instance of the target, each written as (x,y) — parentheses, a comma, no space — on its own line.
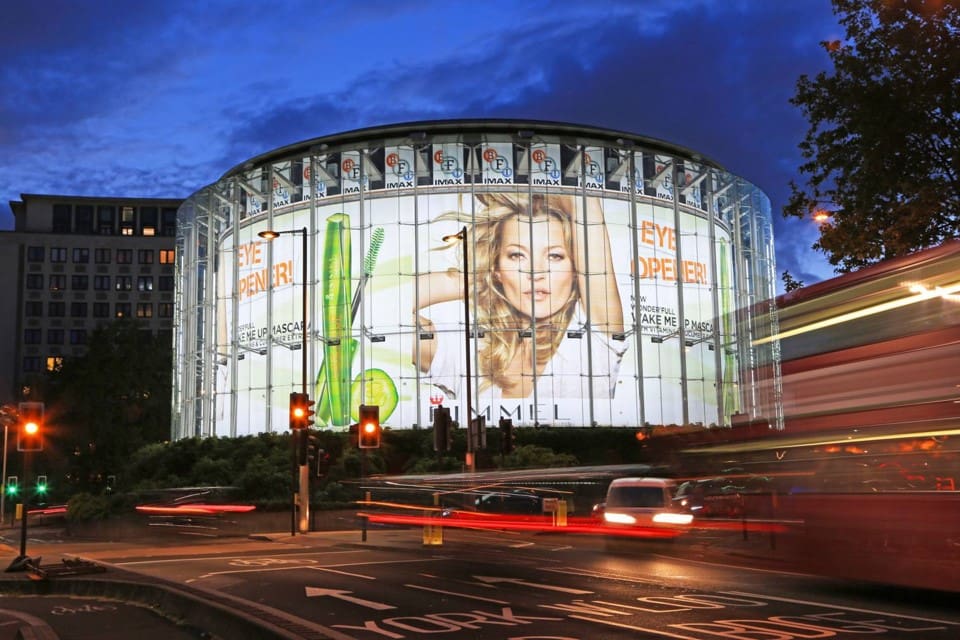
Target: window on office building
(165,283)
(167,256)
(33,309)
(83,218)
(78,309)
(145,256)
(101,283)
(78,336)
(102,256)
(101,309)
(145,283)
(58,281)
(35,254)
(121,310)
(79,282)
(61,218)
(54,363)
(165,310)
(58,254)
(32,363)
(128,220)
(148,221)
(144,310)
(35,281)
(54,336)
(81,255)
(168,221)
(124,256)
(56,309)
(32,336)
(124,283)
(106,219)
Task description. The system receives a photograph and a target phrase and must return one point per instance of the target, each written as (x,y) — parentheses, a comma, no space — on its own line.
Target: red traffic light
(31,427)
(369,436)
(301,411)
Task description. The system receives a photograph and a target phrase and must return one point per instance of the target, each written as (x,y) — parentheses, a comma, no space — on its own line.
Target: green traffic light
(12,490)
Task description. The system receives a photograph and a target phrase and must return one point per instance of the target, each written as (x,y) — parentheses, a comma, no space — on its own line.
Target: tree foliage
(790,283)
(881,150)
(110,402)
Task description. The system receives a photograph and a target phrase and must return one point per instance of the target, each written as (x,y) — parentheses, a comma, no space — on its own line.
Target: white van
(644,503)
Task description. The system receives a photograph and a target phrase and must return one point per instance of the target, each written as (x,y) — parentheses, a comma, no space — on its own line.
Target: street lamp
(303,471)
(270,234)
(462,236)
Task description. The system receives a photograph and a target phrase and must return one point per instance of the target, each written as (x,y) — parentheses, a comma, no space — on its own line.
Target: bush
(85,507)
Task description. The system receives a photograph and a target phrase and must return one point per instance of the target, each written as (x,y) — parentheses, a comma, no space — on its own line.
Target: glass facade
(610,280)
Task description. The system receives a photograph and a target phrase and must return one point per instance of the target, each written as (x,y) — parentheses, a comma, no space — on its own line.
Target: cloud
(159,99)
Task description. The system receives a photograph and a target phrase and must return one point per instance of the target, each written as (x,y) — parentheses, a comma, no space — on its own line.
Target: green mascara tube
(336,317)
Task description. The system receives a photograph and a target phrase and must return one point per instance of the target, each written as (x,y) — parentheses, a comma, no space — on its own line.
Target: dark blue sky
(160,98)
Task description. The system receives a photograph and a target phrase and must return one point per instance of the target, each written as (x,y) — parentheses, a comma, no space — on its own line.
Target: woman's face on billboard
(534,266)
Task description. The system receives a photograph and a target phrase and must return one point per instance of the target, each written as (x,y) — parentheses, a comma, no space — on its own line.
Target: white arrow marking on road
(537,585)
(313,592)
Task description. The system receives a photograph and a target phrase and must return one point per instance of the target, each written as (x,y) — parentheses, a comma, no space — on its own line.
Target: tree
(109,402)
(790,283)
(882,148)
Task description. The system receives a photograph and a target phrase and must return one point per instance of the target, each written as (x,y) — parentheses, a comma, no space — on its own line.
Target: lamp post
(462,236)
(301,475)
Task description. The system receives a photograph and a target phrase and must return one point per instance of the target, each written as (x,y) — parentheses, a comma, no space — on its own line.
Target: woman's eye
(557,256)
(515,255)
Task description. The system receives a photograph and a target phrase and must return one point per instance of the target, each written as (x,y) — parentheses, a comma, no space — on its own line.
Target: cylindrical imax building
(554,274)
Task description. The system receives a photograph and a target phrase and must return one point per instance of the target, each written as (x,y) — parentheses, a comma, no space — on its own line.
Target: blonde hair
(503,321)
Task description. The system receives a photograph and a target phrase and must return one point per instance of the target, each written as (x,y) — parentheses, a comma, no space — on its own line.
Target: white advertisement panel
(386,317)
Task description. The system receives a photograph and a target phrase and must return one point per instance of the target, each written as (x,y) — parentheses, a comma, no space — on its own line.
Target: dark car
(511,502)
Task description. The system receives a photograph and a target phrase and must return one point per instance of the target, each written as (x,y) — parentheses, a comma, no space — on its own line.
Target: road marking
(341,594)
(536,585)
(574,571)
(837,606)
(183,559)
(621,625)
(456,593)
(343,573)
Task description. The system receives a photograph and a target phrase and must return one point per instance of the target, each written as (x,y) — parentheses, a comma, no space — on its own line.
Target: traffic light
(442,431)
(306,446)
(12,486)
(369,426)
(41,485)
(301,411)
(323,463)
(477,433)
(30,426)
(507,436)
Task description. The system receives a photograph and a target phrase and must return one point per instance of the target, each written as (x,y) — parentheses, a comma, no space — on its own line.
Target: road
(499,585)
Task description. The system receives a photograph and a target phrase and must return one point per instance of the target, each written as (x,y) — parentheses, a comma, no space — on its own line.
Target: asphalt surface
(91,599)
(77,595)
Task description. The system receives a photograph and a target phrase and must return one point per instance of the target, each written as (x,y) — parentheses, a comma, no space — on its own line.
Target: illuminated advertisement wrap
(555,286)
(565,275)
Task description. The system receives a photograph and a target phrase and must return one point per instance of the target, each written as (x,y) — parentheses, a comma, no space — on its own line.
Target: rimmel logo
(436,398)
